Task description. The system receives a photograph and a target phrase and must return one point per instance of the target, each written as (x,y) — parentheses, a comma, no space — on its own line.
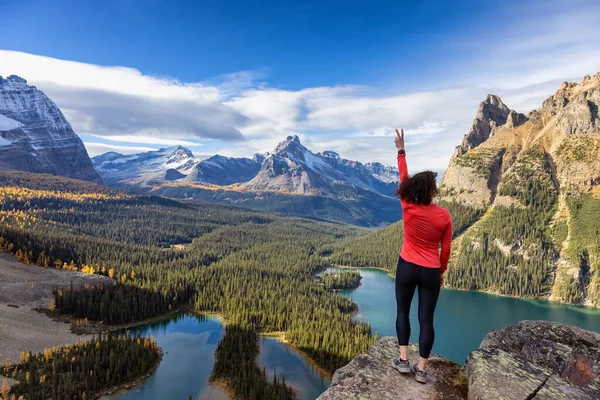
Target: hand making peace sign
(399,139)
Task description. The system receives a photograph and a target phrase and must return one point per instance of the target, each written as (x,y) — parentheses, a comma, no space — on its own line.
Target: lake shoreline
(135,382)
(280,337)
(490,292)
(389,273)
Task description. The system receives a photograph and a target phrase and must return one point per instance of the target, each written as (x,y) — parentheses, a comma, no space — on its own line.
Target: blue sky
(236,77)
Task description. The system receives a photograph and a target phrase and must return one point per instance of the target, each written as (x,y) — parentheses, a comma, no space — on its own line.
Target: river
(462,320)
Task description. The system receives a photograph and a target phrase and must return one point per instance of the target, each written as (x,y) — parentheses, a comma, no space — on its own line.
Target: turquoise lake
(462,320)
(189,342)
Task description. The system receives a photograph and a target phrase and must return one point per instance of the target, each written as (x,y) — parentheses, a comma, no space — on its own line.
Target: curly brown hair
(420,188)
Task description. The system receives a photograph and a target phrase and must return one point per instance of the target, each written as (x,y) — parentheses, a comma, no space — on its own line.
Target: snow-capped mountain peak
(145,168)
(36,137)
(293,168)
(290,168)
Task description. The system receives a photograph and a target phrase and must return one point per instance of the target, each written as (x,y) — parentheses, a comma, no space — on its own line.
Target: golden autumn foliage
(78,368)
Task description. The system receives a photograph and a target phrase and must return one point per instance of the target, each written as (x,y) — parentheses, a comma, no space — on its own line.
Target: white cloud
(95,149)
(149,140)
(106,101)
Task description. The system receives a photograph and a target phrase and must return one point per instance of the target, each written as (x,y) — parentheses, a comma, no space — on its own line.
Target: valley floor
(23,288)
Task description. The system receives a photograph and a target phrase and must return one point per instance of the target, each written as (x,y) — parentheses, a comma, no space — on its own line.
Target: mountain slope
(368,210)
(526,192)
(542,174)
(153,167)
(36,137)
(220,170)
(292,168)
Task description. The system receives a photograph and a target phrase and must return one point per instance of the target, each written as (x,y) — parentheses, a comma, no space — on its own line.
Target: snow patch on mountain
(384,173)
(7,124)
(145,168)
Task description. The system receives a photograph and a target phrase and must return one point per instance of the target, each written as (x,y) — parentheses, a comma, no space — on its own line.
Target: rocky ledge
(371,376)
(526,360)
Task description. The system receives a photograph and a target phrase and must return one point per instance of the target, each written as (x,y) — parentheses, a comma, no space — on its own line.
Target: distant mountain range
(291,168)
(36,137)
(291,180)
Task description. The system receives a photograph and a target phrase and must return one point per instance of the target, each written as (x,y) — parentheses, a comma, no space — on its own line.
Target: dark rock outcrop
(535,359)
(526,360)
(36,137)
(172,175)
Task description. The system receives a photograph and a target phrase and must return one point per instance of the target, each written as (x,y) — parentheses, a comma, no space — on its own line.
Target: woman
(420,264)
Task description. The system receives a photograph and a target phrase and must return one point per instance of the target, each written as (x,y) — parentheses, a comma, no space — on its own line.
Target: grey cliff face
(220,170)
(36,137)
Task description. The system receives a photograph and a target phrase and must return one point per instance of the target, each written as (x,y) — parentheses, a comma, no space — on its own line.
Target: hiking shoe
(420,376)
(402,366)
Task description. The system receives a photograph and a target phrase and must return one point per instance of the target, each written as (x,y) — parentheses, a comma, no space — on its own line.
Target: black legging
(408,277)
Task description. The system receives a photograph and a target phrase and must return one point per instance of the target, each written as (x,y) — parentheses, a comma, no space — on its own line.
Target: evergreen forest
(254,269)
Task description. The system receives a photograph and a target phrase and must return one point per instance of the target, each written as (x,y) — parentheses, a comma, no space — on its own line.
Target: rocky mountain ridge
(36,137)
(292,180)
(536,179)
(291,168)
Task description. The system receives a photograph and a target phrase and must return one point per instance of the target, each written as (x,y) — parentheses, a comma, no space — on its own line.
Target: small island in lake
(341,280)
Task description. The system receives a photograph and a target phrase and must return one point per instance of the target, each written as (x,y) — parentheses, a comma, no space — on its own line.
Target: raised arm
(446,245)
(402,167)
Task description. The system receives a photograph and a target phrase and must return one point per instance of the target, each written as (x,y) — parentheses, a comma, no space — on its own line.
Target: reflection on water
(462,318)
(189,343)
(299,371)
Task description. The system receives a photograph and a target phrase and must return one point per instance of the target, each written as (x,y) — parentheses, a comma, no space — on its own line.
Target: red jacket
(425,227)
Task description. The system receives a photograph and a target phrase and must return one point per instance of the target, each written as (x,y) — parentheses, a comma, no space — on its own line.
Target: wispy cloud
(147,140)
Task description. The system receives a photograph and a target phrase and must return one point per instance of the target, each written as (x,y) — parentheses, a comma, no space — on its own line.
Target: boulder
(535,359)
